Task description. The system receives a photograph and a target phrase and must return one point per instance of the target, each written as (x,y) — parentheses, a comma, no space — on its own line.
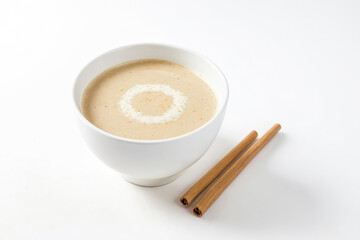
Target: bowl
(152,162)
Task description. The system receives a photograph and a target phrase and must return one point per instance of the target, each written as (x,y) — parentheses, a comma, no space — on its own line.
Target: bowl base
(152,182)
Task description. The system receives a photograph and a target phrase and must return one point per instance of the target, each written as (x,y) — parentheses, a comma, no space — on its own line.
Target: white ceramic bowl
(152,162)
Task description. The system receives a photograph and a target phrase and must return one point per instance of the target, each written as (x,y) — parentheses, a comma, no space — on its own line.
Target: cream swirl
(172,114)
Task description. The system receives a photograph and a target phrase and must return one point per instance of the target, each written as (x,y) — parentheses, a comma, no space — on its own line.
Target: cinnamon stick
(224,181)
(215,171)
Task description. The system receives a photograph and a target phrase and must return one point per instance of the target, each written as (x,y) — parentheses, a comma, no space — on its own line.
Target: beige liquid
(100,100)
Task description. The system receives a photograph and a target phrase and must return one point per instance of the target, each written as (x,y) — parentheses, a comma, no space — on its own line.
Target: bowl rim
(129,140)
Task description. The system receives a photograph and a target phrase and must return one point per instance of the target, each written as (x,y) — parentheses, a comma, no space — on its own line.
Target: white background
(292,62)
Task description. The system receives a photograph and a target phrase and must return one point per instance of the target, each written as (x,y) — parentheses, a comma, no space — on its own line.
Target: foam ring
(172,114)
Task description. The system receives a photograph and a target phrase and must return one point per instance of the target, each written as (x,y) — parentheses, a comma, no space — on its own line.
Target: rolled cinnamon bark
(214,172)
(224,181)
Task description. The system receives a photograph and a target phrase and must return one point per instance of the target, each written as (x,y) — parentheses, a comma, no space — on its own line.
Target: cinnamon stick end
(184,201)
(255,133)
(197,211)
